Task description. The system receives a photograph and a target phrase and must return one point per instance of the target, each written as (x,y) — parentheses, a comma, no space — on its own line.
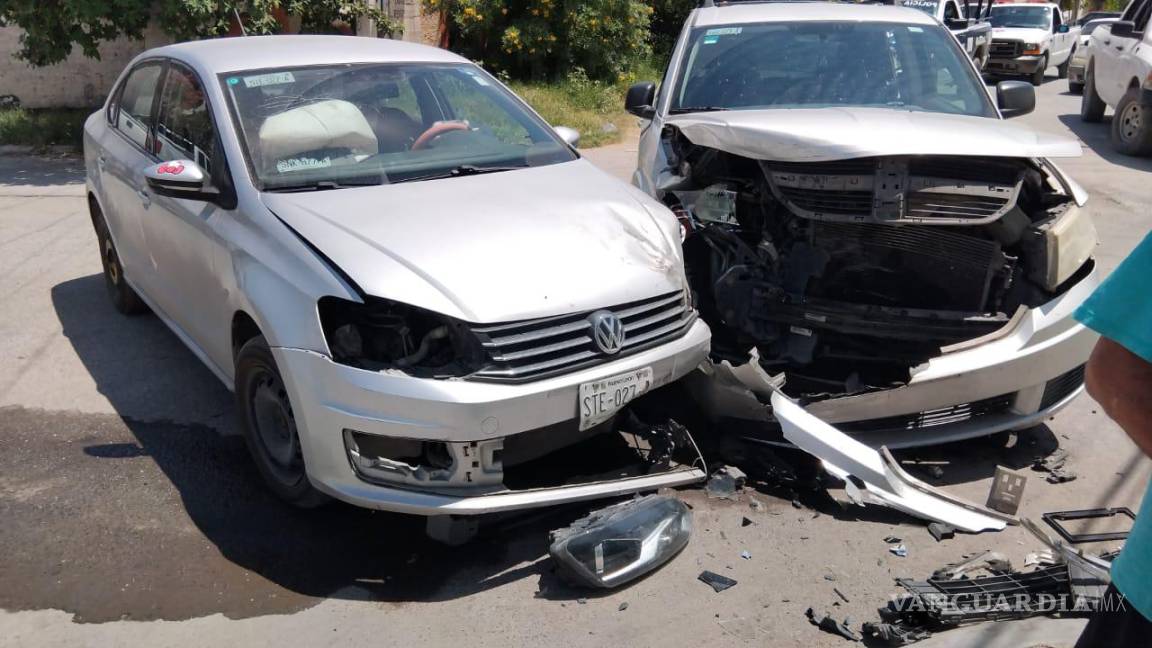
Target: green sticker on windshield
(708,40)
(233,80)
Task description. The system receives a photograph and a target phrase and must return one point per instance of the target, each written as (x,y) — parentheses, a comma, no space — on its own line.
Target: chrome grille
(936,190)
(1005,49)
(554,345)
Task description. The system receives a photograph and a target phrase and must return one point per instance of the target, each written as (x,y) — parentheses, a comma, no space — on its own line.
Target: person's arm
(1121,382)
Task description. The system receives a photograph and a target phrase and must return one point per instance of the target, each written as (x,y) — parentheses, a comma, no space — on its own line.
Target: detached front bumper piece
(622,542)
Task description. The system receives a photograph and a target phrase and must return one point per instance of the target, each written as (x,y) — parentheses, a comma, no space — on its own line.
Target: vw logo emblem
(607,331)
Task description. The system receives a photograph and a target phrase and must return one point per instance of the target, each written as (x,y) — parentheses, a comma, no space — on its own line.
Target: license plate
(601,399)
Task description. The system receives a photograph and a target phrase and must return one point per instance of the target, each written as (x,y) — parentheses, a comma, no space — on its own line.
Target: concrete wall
(77,82)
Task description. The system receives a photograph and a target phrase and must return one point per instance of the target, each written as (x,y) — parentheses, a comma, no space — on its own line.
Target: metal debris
(991,561)
(895,634)
(1007,491)
(716,581)
(899,550)
(623,606)
(1054,465)
(840,594)
(893,539)
(826,623)
(746,555)
(725,482)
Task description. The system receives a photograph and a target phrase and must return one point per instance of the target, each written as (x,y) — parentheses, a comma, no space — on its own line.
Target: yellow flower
(469,11)
(479,17)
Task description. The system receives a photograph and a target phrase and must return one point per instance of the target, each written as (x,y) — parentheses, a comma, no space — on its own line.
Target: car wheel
(270,426)
(1038,76)
(1075,88)
(1091,105)
(1132,125)
(1062,69)
(123,297)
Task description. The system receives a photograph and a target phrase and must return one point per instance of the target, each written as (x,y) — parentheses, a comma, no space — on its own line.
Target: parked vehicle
(967,22)
(1096,15)
(1079,63)
(1119,74)
(413,284)
(865,225)
(1027,39)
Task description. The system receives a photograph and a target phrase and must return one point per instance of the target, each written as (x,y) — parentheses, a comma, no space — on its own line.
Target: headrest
(329,124)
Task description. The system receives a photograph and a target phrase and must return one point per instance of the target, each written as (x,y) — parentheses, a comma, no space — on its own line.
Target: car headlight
(382,334)
(1032,49)
(1059,246)
(616,544)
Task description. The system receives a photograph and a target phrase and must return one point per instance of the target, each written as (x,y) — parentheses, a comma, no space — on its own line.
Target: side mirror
(640,98)
(569,135)
(180,179)
(1062,29)
(958,23)
(1123,28)
(1015,98)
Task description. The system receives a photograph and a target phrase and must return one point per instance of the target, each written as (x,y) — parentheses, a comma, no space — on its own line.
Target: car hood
(495,247)
(821,134)
(1026,34)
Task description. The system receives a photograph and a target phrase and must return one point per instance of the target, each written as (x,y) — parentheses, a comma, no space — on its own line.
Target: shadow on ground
(41,171)
(1098,138)
(109,517)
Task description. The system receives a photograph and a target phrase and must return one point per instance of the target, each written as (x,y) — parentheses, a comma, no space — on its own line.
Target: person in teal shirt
(1119,377)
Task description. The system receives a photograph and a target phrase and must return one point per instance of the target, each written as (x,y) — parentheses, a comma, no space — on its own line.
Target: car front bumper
(1012,379)
(1018,65)
(330,398)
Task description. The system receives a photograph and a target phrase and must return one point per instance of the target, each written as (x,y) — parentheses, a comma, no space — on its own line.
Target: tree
(53,27)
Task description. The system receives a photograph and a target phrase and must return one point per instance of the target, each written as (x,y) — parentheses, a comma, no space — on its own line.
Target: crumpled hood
(821,134)
(1026,34)
(496,247)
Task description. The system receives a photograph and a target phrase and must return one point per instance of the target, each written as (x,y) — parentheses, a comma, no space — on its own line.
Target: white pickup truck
(1119,74)
(1029,38)
(967,22)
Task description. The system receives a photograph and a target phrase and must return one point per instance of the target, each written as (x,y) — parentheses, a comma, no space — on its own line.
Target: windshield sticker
(915,30)
(302,164)
(275,78)
(724,31)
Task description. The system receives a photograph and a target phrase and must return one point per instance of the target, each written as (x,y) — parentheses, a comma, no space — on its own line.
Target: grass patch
(42,128)
(594,108)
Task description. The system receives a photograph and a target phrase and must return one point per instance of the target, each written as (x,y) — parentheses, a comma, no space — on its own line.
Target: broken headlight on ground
(614,545)
(381,334)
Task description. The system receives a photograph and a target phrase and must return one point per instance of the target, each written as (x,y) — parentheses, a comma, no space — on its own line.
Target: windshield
(1091,25)
(1033,17)
(345,125)
(828,64)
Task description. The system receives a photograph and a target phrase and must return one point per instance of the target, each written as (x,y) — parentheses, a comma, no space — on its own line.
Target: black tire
(1062,69)
(1132,125)
(1037,77)
(1091,105)
(123,297)
(270,427)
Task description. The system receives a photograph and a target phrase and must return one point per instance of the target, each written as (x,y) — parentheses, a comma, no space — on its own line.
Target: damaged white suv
(859,214)
(414,285)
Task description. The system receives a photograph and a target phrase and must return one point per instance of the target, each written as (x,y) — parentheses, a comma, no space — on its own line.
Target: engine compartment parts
(849,274)
(619,543)
(1055,519)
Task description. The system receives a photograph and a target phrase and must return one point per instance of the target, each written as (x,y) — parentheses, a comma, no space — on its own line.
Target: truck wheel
(1132,125)
(270,427)
(123,297)
(1062,69)
(1038,76)
(1075,88)
(1091,105)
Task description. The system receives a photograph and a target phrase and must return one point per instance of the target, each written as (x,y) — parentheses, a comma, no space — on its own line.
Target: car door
(1107,51)
(120,161)
(1128,61)
(1060,47)
(182,235)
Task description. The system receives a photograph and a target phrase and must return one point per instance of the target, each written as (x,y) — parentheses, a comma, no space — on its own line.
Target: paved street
(131,514)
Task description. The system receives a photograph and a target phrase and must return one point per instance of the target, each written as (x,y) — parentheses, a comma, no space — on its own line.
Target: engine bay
(846,275)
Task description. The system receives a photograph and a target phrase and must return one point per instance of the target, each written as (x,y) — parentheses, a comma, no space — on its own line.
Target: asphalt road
(130,513)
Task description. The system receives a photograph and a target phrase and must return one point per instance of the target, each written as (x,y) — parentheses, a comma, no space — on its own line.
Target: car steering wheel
(436,130)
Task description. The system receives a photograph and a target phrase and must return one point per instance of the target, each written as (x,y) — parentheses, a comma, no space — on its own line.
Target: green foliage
(667,20)
(42,128)
(51,29)
(533,39)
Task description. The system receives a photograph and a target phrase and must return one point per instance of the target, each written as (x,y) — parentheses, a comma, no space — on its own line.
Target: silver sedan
(413,284)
